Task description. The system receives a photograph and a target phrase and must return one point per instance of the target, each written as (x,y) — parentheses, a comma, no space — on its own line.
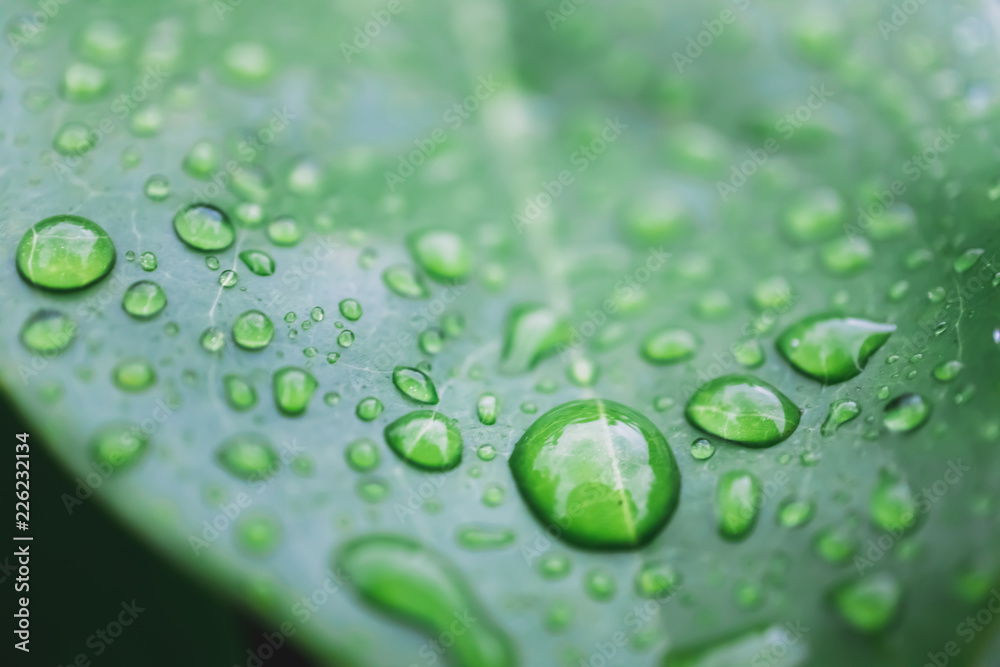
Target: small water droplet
(157,187)
(212,262)
(480,537)
(415,385)
(368,409)
(441,254)
(531,333)
(249,457)
(285,232)
(404,281)
(426,440)
(74,140)
(202,160)
(133,375)
(204,227)
(906,413)
(331,398)
(362,455)
(554,566)
(258,261)
(48,332)
(144,300)
(253,330)
(487,408)
(332,357)
(257,535)
(486,452)
(350,309)
(118,446)
(240,393)
(967,259)
(869,604)
(795,512)
(599,584)
(847,256)
(293,389)
(228,279)
(892,505)
(840,413)
(702,449)
(947,371)
(148,261)
(493,495)
(430,341)
(84,83)
(212,340)
(345,338)
(669,346)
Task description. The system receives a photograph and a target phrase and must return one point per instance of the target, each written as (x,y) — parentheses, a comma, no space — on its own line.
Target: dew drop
(840,413)
(133,375)
(907,412)
(74,140)
(369,409)
(285,232)
(657,580)
(204,227)
(967,259)
(738,498)
(480,537)
(426,440)
(144,300)
(147,261)
(870,604)
(441,254)
(948,370)
(48,332)
(744,410)
(669,346)
(345,338)
(531,333)
(487,408)
(599,584)
(212,340)
(702,449)
(118,446)
(415,385)
(257,534)
(240,393)
(248,456)
(228,279)
(65,252)
(258,261)
(253,330)
(157,187)
(293,389)
(350,309)
(832,349)
(404,281)
(362,455)
(892,505)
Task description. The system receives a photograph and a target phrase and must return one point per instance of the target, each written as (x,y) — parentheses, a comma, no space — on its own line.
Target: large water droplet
(204,227)
(744,410)
(293,388)
(258,261)
(738,498)
(118,446)
(48,332)
(441,254)
(133,375)
(669,346)
(415,385)
(402,578)
(772,645)
(426,439)
(869,604)
(65,252)
(248,456)
(253,330)
(599,471)
(531,333)
(350,309)
(906,412)
(144,300)
(830,348)
(404,281)
(841,412)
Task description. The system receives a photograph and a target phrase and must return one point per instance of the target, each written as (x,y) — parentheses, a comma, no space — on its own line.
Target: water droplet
(947,371)
(430,341)
(967,259)
(816,216)
(240,393)
(248,63)
(493,495)
(486,452)
(148,261)
(847,256)
(480,537)
(204,227)
(253,330)
(84,83)
(332,357)
(212,340)
(350,309)
(973,581)
(836,544)
(403,579)
(369,409)
(487,408)
(441,254)
(832,349)
(892,505)
(293,389)
(883,392)
(65,252)
(870,604)
(840,413)
(531,333)
(285,232)
(331,398)
(133,375)
(936,295)
(583,371)
(212,262)
(744,410)
(663,403)
(657,580)
(257,534)
(748,353)
(795,512)
(738,498)
(48,332)
(157,187)
(249,457)
(906,412)
(702,449)
(899,290)
(147,121)
(600,471)
(228,279)
(773,294)
(250,214)
(426,440)
(310,352)
(743,648)
(403,281)
(258,261)
(599,584)
(654,218)
(362,455)
(290,317)
(559,616)
(669,346)
(415,385)
(202,160)
(529,407)
(713,305)
(345,338)
(144,300)
(373,489)
(118,446)
(74,140)
(554,566)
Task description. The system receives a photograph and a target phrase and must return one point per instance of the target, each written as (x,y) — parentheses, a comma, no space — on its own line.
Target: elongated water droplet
(830,348)
(795,512)
(487,408)
(249,456)
(870,604)
(350,309)
(133,375)
(773,294)
(744,410)
(531,333)
(48,332)
(404,281)
(293,389)
(947,371)
(369,409)
(771,644)
(240,392)
(669,346)
(402,578)
(415,385)
(841,412)
(967,259)
(258,261)
(253,330)
(892,506)
(441,254)
(118,446)
(144,300)
(204,227)
(847,256)
(817,216)
(906,412)
(426,440)
(362,455)
(430,341)
(65,252)
(599,471)
(481,537)
(738,498)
